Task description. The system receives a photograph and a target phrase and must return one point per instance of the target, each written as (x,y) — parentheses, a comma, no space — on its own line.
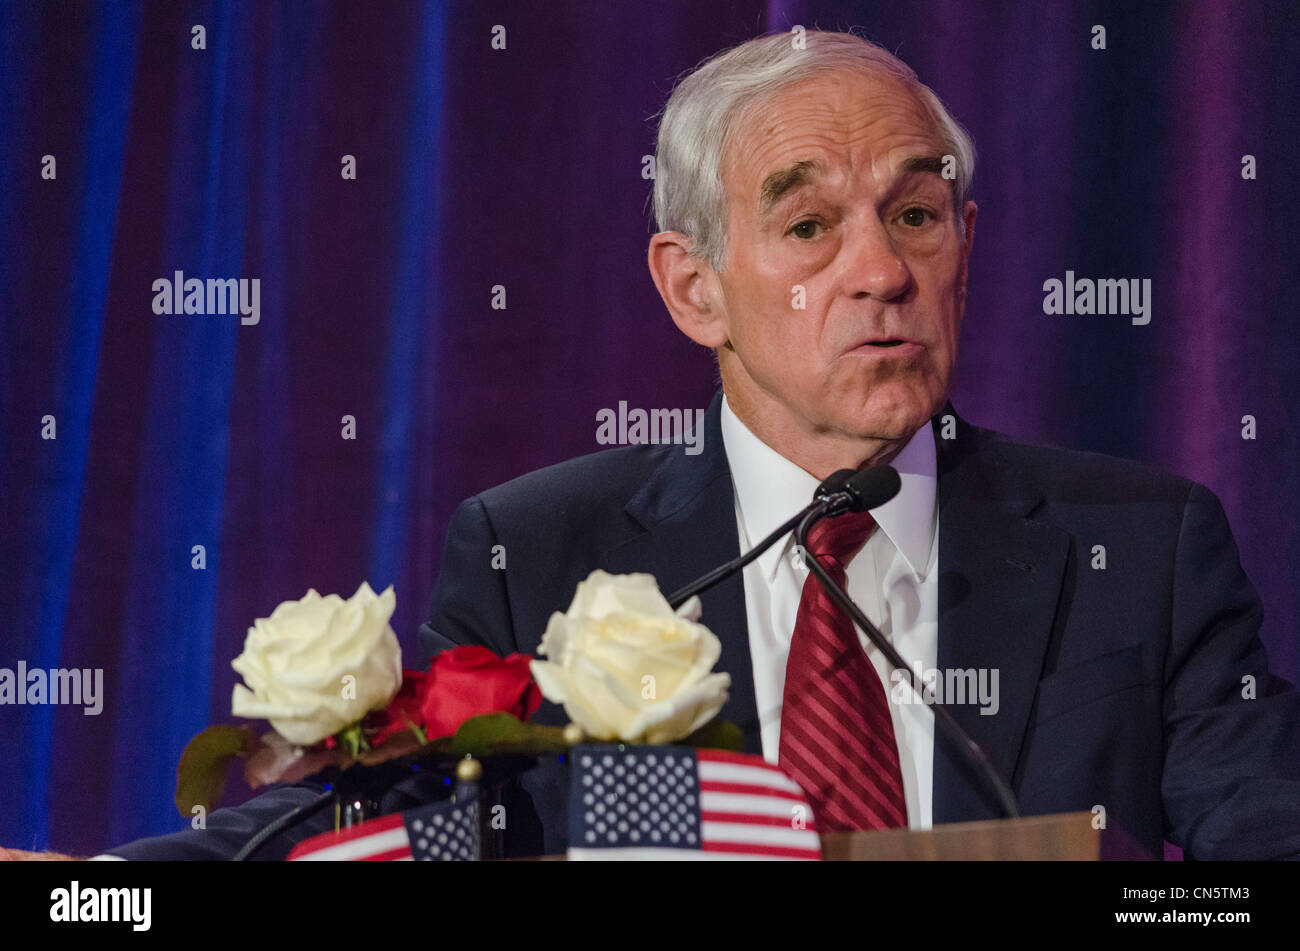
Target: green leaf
(352,740)
(419,734)
(201,773)
(502,733)
(717,734)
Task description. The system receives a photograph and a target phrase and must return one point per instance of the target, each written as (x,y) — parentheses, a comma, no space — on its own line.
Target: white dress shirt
(894,579)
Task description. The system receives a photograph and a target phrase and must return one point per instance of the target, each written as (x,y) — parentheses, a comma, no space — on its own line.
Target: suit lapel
(1000,574)
(688,512)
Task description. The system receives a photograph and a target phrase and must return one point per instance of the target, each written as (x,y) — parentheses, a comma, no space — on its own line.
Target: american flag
(666,802)
(442,831)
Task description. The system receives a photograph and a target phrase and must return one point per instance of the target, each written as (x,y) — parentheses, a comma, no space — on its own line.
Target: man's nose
(872,265)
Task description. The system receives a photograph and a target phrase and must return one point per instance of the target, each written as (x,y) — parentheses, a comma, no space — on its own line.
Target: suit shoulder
(583,484)
(1079,475)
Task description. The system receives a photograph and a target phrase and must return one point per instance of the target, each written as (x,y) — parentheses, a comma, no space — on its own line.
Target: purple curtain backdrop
(522,168)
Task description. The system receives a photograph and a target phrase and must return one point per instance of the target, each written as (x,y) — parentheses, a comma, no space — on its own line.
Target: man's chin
(891,419)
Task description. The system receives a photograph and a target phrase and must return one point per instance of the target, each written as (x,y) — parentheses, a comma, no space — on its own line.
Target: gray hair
(708,105)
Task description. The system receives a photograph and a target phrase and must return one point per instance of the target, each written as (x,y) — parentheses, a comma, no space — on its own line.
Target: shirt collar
(770,488)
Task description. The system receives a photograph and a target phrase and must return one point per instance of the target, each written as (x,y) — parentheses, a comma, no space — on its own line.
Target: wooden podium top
(1066,836)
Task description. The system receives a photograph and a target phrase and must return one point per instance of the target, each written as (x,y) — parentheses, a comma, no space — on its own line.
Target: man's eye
(805,229)
(915,217)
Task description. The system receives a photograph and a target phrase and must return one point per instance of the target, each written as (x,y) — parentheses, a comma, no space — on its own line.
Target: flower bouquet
(326,674)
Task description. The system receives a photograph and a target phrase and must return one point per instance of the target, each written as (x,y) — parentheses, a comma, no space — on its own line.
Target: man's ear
(968,214)
(968,232)
(689,288)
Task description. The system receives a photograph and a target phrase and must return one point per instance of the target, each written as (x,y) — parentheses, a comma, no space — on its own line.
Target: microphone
(841,491)
(870,487)
(970,751)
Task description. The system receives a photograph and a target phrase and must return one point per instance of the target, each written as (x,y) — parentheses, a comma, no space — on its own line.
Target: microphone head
(871,487)
(833,483)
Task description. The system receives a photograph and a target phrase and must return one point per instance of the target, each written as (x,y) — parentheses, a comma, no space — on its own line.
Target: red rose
(466,682)
(461,683)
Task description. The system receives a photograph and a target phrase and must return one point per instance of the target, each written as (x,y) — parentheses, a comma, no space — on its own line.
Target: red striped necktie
(837,738)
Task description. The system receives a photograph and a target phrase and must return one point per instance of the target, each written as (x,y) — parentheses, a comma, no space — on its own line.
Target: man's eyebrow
(923,163)
(786,180)
(783,181)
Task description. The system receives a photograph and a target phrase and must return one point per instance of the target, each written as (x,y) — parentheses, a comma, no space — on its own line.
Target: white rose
(625,666)
(296,662)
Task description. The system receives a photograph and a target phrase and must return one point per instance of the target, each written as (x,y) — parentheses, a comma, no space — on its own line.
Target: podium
(1063,837)
(1068,836)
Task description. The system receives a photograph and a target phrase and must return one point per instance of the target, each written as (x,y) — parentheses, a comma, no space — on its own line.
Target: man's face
(834,187)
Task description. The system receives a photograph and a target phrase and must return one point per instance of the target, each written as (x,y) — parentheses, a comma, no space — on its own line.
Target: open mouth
(895,346)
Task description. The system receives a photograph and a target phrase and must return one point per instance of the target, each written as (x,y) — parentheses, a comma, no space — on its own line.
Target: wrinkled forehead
(839,121)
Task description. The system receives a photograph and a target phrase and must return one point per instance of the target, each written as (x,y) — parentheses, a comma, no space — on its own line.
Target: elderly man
(817,232)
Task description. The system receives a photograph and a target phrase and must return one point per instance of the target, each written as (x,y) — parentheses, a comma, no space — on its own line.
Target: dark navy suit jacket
(1124,687)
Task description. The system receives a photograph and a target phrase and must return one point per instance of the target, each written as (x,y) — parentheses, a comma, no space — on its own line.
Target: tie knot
(840,538)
